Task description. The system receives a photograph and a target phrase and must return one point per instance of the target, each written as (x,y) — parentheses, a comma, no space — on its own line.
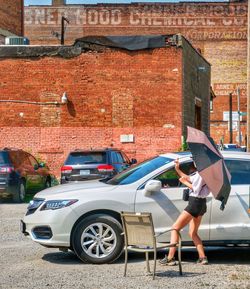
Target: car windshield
(139,171)
(79,158)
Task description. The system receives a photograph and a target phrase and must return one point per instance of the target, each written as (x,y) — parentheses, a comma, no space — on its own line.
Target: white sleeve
(197,182)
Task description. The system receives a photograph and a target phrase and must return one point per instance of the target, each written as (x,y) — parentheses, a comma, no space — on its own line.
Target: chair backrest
(138,229)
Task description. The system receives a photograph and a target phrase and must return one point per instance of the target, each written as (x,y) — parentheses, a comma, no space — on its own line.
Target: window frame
(142,186)
(32,157)
(119,155)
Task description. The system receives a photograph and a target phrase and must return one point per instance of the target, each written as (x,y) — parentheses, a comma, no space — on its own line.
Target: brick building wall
(111,93)
(11,18)
(196,89)
(218,29)
(230,59)
(198,22)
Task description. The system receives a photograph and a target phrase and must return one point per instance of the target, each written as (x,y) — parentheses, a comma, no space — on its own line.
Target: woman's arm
(178,170)
(185,182)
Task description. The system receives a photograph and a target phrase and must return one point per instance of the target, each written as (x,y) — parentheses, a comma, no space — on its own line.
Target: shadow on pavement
(174,274)
(216,255)
(8,200)
(64,258)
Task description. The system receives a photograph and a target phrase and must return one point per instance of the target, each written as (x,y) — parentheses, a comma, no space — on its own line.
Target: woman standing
(191,215)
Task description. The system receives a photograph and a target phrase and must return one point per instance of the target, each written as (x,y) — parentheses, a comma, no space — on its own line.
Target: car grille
(34,205)
(42,232)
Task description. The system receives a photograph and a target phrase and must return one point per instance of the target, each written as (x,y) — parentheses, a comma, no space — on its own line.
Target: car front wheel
(47,184)
(97,239)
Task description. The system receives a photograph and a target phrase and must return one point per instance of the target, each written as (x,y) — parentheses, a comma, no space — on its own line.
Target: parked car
(85,217)
(232,147)
(83,165)
(21,173)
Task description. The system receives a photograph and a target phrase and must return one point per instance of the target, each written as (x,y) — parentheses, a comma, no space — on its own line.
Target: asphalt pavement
(26,265)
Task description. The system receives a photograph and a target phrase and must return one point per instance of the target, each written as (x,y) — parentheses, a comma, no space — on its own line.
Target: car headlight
(57,204)
(35,203)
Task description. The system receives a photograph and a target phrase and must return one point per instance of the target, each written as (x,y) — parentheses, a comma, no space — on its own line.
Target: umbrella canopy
(210,164)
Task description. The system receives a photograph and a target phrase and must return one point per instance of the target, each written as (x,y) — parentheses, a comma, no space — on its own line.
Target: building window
(198,117)
(198,104)
(211,105)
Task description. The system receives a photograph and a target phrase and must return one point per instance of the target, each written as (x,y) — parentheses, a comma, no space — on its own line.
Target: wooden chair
(139,236)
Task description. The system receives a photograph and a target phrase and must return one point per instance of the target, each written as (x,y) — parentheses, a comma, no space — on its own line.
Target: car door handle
(220,227)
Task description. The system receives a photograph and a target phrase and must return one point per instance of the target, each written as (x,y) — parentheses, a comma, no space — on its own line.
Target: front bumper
(7,189)
(39,224)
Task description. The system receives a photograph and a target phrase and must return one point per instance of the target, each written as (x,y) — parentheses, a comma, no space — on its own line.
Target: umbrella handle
(222,206)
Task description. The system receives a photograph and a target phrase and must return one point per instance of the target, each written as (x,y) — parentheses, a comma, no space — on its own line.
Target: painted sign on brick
(197,21)
(224,89)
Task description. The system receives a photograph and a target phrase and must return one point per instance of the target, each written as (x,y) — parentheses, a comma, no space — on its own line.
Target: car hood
(74,187)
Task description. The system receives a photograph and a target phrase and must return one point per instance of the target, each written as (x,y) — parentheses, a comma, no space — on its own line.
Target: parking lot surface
(25,265)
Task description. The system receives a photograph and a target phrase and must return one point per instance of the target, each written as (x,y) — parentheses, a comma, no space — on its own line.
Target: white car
(85,217)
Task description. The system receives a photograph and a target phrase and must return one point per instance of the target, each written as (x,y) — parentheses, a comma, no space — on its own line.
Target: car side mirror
(151,187)
(133,161)
(36,167)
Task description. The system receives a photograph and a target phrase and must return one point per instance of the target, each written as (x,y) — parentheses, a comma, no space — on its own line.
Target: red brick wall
(111,93)
(229,73)
(11,16)
(219,29)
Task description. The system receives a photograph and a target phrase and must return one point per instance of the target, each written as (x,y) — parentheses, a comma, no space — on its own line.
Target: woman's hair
(192,168)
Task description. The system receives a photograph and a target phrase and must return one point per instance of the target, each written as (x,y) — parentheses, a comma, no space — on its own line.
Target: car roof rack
(11,149)
(94,149)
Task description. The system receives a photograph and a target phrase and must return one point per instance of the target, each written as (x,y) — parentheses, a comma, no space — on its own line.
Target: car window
(114,158)
(120,158)
(32,160)
(139,171)
(239,170)
(15,159)
(170,178)
(79,158)
(4,158)
(25,159)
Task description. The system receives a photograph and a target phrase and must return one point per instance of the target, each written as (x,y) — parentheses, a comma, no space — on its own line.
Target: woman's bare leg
(193,233)
(180,223)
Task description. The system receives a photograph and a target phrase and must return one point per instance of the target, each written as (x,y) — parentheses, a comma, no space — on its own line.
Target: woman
(191,215)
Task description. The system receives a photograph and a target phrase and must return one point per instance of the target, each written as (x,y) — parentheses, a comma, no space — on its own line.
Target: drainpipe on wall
(22,17)
(248,80)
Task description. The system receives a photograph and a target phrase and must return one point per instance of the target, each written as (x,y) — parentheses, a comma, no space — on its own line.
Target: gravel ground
(25,264)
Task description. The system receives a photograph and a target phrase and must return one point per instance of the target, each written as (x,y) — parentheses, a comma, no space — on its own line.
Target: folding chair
(139,236)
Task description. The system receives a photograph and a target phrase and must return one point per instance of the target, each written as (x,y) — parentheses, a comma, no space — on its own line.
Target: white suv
(85,217)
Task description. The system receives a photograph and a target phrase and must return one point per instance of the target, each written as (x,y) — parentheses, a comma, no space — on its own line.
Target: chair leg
(155,254)
(126,262)
(179,259)
(147,261)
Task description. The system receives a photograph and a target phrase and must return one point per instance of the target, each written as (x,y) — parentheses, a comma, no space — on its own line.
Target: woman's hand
(183,180)
(177,164)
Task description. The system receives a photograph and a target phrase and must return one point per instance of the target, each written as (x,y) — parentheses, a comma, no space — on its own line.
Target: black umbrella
(210,164)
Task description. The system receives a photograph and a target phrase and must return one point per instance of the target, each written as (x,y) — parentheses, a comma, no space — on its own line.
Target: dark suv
(94,164)
(21,173)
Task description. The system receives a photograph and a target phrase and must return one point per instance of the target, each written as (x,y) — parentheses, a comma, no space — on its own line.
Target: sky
(46,2)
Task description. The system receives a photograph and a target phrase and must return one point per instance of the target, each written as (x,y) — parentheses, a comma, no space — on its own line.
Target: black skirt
(196,206)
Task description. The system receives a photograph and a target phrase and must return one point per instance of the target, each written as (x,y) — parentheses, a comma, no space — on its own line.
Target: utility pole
(230,118)
(248,78)
(239,116)
(64,19)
